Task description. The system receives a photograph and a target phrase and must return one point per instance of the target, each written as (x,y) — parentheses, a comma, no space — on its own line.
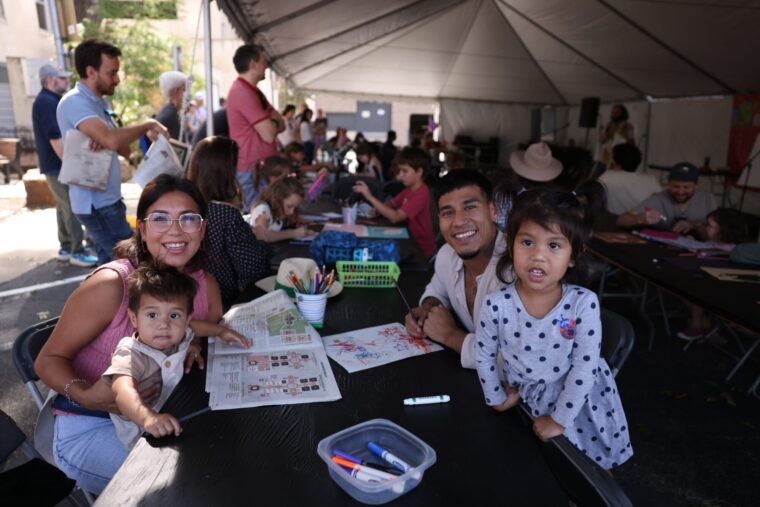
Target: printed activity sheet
(285,363)
(366,348)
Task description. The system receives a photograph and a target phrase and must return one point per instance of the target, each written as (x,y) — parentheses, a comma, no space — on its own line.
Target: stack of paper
(285,364)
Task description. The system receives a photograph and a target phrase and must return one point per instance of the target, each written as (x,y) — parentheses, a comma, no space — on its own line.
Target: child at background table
(725,228)
(413,203)
(548,331)
(160,301)
(277,209)
(272,169)
(371,165)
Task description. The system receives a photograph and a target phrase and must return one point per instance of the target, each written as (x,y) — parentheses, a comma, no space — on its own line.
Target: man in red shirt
(413,203)
(254,123)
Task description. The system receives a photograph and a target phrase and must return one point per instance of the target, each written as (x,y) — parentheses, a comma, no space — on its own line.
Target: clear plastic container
(394,439)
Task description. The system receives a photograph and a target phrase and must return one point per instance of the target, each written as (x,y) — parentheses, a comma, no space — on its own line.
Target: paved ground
(696,439)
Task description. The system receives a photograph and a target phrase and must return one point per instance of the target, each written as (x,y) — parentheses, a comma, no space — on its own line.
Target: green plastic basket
(368,274)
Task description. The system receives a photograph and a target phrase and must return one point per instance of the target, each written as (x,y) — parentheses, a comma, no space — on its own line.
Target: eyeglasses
(162,222)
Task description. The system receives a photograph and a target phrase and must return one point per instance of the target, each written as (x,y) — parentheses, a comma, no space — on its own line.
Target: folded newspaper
(285,364)
(161,158)
(83,167)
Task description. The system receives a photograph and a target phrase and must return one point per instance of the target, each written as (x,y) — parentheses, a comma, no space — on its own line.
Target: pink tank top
(94,359)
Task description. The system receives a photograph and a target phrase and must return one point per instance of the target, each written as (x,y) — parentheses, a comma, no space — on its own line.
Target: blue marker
(390,458)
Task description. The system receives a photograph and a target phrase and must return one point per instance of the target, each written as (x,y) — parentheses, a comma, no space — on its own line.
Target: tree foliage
(146,53)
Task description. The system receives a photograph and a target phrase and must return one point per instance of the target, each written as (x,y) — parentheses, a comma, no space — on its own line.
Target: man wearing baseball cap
(49,145)
(681,207)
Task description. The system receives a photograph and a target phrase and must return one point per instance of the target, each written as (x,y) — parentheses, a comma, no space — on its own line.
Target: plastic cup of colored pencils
(311,295)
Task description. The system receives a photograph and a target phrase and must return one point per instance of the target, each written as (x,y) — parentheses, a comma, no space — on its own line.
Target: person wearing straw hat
(536,164)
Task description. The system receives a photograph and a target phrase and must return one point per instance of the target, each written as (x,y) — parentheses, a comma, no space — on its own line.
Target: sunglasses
(162,222)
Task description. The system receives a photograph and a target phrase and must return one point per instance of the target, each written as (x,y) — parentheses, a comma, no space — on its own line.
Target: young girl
(725,228)
(272,169)
(548,332)
(371,164)
(276,209)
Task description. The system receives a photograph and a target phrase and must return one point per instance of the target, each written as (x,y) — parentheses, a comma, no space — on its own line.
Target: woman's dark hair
(306,115)
(733,225)
(89,54)
(571,212)
(288,108)
(134,248)
(366,149)
(212,169)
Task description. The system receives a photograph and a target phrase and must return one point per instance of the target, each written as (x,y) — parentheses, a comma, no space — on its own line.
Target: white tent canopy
(524,51)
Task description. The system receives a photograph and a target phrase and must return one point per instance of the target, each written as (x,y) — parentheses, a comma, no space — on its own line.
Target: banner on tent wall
(745,127)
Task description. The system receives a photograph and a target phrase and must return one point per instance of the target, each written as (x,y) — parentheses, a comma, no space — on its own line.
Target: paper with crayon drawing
(285,364)
(374,346)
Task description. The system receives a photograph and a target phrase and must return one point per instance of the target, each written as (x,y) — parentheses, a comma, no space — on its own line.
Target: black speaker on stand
(588,116)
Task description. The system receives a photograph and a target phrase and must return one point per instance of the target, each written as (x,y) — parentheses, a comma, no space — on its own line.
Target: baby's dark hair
(165,283)
(572,212)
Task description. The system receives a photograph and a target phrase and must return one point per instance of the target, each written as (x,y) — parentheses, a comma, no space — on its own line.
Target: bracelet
(68,386)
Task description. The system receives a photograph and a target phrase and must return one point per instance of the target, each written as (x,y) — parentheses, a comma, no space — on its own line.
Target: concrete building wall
(23,47)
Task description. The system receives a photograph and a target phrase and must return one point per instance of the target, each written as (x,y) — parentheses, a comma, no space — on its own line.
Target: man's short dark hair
(460,178)
(627,156)
(163,282)
(414,158)
(89,54)
(244,55)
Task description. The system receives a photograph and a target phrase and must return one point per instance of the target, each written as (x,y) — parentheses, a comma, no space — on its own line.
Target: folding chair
(35,482)
(637,293)
(617,339)
(25,350)
(584,482)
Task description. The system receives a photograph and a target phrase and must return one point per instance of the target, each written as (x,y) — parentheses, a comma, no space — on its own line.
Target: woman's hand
(546,428)
(193,355)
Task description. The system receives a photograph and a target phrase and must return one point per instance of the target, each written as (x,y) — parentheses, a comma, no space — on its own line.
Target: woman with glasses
(171,228)
(235,257)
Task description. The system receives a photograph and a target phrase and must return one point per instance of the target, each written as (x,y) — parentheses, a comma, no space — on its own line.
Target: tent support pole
(207,65)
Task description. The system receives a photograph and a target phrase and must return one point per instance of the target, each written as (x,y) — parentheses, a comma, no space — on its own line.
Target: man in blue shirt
(85,108)
(49,152)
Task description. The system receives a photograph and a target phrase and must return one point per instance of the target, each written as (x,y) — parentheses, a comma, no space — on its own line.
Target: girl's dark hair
(733,225)
(288,108)
(163,282)
(274,166)
(134,248)
(212,169)
(365,149)
(572,212)
(278,192)
(307,114)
